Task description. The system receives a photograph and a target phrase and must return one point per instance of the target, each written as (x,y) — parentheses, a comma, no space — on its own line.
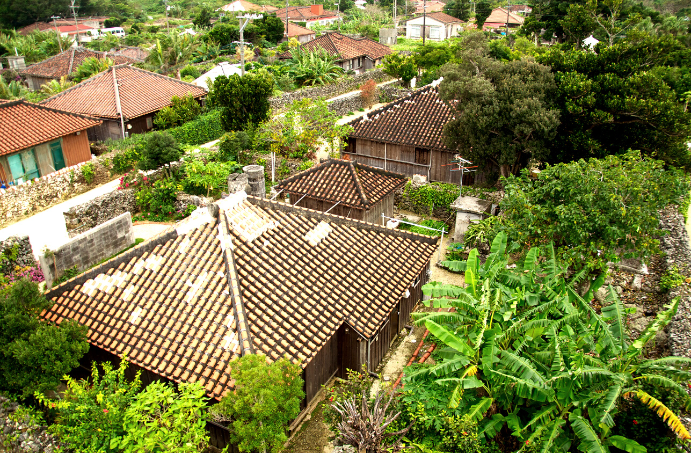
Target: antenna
(74,9)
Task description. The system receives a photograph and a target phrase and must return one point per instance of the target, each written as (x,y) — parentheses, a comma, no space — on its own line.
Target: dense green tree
(460,9)
(17,13)
(612,101)
(482,11)
(203,17)
(159,149)
(34,354)
(180,111)
(270,28)
(400,66)
(266,398)
(578,24)
(223,34)
(504,113)
(243,100)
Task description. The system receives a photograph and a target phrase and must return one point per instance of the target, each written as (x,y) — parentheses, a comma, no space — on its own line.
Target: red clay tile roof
(416,120)
(500,16)
(141,92)
(344,47)
(257,279)
(66,62)
(443,17)
(304,13)
(296,30)
(23,125)
(353,184)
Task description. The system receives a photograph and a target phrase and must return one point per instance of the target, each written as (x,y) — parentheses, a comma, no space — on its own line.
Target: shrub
(207,178)
(179,112)
(203,129)
(244,100)
(88,172)
(368,93)
(163,420)
(159,148)
(158,198)
(113,22)
(231,145)
(266,398)
(35,354)
(91,414)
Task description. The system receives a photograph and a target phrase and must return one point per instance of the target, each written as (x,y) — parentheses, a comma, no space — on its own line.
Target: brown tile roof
(432,6)
(344,47)
(66,62)
(443,17)
(304,13)
(263,277)
(247,6)
(141,92)
(23,125)
(499,16)
(416,120)
(353,184)
(296,30)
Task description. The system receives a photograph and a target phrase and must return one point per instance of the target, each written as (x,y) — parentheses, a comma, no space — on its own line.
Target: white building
(438,27)
(225,69)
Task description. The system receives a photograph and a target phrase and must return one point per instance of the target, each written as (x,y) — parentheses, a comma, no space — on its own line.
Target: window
(350,63)
(417,281)
(422,156)
(434,32)
(23,166)
(415,31)
(359,62)
(57,155)
(350,147)
(149,122)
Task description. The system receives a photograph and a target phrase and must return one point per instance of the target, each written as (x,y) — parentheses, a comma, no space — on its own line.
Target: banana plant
(549,365)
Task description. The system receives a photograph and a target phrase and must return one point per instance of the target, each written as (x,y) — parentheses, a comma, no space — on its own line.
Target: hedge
(204,129)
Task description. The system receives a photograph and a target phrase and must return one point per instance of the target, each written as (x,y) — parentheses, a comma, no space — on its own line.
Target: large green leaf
(454,266)
(590,442)
(628,445)
(492,426)
(450,339)
(477,411)
(471,272)
(438,289)
(616,313)
(609,403)
(661,320)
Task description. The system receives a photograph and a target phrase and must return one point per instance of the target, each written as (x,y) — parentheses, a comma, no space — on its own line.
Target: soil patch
(313,436)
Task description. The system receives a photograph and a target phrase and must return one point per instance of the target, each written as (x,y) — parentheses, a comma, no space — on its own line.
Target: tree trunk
(505,170)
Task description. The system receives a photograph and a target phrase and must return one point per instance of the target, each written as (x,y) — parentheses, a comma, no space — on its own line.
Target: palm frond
(663,412)
(586,433)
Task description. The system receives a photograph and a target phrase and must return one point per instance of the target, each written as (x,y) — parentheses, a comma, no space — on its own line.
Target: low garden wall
(352,103)
(89,248)
(25,255)
(329,91)
(86,216)
(20,432)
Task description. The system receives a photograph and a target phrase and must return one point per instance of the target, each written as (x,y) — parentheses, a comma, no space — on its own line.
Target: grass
(438,224)
(404,44)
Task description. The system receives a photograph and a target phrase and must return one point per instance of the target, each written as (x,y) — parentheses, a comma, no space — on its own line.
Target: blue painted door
(58,157)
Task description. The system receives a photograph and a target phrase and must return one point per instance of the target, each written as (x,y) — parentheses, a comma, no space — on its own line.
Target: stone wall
(25,255)
(40,193)
(89,248)
(387,93)
(328,91)
(84,217)
(19,432)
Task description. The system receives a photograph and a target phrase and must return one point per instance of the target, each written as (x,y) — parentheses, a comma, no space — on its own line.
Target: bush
(113,22)
(203,129)
(207,178)
(159,148)
(127,159)
(158,198)
(368,93)
(232,144)
(88,172)
(244,100)
(91,414)
(179,112)
(266,398)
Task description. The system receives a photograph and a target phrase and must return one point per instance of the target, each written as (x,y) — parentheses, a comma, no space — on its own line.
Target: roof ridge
(395,102)
(233,282)
(379,170)
(32,104)
(358,185)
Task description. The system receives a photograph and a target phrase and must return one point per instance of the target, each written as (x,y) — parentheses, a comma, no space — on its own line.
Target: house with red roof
(438,26)
(125,98)
(357,55)
(37,140)
(302,34)
(501,18)
(308,16)
(65,63)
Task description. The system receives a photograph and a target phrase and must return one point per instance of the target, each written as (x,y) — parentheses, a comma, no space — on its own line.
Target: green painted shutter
(16,167)
(58,157)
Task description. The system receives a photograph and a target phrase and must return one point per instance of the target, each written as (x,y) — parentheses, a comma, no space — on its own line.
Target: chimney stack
(255,176)
(317,10)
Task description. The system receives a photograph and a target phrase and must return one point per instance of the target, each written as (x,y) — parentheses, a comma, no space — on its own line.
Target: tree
(551,367)
(460,9)
(223,34)
(266,398)
(578,24)
(617,99)
(90,67)
(162,419)
(482,11)
(203,17)
(179,112)
(270,27)
(503,112)
(244,100)
(159,148)
(612,24)
(402,67)
(34,354)
(17,13)
(313,67)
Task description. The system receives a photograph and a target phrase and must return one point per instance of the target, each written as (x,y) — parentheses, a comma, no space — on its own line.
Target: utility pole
(165,3)
(57,31)
(508,12)
(74,9)
(287,39)
(424,20)
(243,24)
(395,26)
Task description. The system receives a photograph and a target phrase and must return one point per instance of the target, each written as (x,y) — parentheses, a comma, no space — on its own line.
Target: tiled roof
(263,277)
(296,30)
(432,6)
(141,92)
(23,125)
(345,48)
(443,17)
(247,6)
(353,184)
(417,120)
(499,16)
(66,62)
(304,13)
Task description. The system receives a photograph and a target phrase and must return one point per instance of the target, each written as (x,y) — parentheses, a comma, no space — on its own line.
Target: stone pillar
(238,182)
(255,176)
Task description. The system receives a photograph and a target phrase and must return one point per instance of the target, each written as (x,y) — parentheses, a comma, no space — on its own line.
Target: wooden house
(349,189)
(405,136)
(501,17)
(256,276)
(36,140)
(124,97)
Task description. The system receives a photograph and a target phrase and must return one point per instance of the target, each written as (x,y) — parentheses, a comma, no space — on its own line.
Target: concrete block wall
(89,248)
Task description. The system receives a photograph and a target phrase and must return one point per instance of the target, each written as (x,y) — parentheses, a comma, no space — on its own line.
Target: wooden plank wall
(349,344)
(109,129)
(321,368)
(380,345)
(385,205)
(323,206)
(76,149)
